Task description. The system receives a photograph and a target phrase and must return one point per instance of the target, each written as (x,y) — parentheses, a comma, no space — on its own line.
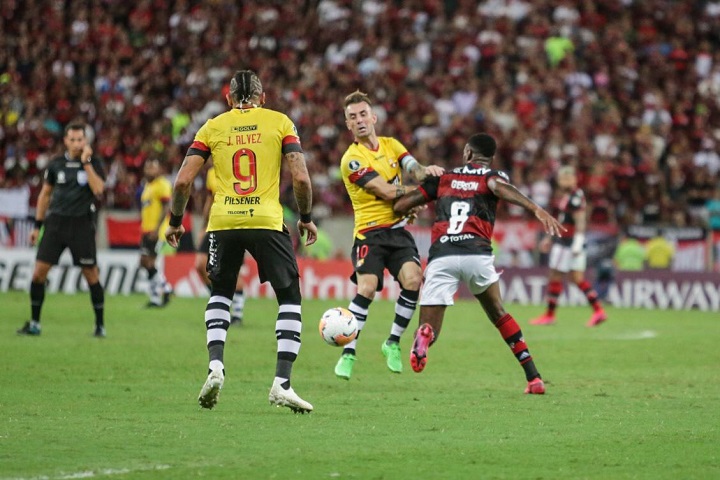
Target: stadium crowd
(628,91)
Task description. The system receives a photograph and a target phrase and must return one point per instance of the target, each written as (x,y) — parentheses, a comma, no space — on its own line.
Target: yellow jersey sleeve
(202,143)
(356,168)
(397,148)
(290,139)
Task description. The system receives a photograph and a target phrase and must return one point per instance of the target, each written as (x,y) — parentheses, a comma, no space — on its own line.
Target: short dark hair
(244,86)
(74,126)
(483,144)
(357,97)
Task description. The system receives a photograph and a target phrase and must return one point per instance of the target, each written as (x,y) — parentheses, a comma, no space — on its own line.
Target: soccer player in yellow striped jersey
(201,257)
(248,144)
(155,200)
(372,170)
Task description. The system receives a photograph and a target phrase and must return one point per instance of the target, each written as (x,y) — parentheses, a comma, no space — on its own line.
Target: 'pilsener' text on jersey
(71,195)
(247,146)
(154,196)
(569,204)
(358,166)
(464,211)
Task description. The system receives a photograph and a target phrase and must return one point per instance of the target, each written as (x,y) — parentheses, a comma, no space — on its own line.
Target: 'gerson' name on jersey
(465,210)
(242,200)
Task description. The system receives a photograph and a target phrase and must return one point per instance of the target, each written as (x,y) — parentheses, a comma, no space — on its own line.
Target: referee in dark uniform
(66,206)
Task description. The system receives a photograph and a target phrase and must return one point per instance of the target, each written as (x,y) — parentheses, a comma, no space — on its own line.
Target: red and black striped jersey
(464,210)
(569,204)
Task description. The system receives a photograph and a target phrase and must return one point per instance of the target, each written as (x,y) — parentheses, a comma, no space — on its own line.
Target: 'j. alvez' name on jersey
(464,211)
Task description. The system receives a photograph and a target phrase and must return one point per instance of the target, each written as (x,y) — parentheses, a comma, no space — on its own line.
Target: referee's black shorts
(389,248)
(76,233)
(272,250)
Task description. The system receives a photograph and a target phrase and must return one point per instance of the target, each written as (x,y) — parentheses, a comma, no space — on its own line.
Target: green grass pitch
(638,397)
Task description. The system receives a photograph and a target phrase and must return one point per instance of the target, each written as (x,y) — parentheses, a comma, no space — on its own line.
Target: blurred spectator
(630,255)
(614,88)
(660,252)
(713,208)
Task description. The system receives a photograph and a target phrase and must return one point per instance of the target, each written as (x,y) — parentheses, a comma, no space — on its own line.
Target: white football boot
(210,392)
(288,398)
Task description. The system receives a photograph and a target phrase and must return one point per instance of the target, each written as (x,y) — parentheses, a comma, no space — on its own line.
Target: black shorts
(75,233)
(272,250)
(205,248)
(148,246)
(389,248)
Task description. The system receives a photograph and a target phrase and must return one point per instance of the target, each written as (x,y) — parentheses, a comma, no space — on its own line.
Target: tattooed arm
(302,187)
(181,193)
(509,193)
(386,191)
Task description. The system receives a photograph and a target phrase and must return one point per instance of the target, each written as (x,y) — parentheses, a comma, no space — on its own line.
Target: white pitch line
(105,472)
(642,335)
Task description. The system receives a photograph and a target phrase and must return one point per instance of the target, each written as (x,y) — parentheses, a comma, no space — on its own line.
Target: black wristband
(175,220)
(306,217)
(38,224)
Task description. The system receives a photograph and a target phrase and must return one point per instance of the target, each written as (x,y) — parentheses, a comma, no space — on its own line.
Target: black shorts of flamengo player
(148,246)
(272,250)
(389,248)
(75,233)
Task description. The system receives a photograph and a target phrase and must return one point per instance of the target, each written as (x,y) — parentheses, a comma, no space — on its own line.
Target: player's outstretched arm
(302,187)
(181,193)
(386,191)
(509,193)
(420,172)
(407,202)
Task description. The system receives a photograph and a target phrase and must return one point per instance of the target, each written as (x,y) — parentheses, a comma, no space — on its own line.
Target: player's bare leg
(37,297)
(201,268)
(491,301)
(431,320)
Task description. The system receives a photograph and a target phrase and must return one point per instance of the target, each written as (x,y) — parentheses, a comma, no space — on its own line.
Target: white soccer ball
(338,326)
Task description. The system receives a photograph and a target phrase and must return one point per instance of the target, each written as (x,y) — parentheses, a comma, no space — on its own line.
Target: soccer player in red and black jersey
(465,209)
(568,253)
